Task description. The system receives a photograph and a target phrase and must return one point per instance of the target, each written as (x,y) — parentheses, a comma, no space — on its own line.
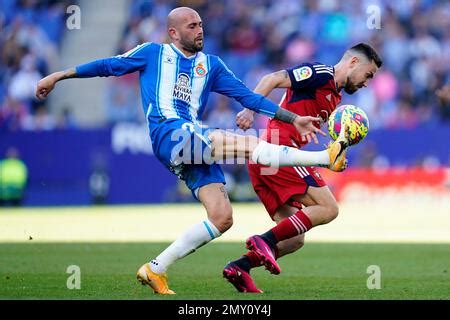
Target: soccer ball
(355,119)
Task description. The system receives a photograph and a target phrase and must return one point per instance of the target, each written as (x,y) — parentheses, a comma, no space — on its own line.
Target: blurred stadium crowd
(30,39)
(257,37)
(253,37)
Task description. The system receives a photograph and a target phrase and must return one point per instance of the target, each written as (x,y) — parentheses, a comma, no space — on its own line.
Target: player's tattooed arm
(282,75)
(68,74)
(46,85)
(279,79)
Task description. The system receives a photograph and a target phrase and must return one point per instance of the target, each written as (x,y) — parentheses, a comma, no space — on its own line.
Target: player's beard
(192,46)
(350,87)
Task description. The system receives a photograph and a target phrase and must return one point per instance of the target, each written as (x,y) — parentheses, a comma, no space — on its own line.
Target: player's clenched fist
(244,119)
(47,84)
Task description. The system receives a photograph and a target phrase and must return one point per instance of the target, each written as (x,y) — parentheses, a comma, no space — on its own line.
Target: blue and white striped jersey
(176,86)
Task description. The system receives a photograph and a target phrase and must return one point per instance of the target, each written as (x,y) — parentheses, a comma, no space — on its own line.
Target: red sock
(290,227)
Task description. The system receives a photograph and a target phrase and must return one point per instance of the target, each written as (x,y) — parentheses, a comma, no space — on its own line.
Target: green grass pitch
(318,271)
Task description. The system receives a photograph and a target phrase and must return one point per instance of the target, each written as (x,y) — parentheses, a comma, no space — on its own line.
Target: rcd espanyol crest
(200,70)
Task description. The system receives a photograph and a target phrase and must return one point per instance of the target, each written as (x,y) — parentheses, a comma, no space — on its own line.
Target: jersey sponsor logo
(182,89)
(302,73)
(200,70)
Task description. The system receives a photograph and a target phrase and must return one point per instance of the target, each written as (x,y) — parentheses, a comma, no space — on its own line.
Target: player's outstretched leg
(158,282)
(226,145)
(240,278)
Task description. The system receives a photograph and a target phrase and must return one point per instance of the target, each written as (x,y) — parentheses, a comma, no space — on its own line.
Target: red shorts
(275,188)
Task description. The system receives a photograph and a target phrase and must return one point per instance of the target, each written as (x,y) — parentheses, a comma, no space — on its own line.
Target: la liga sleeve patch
(302,73)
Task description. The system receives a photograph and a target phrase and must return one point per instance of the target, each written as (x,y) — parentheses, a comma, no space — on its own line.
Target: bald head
(185,29)
(178,15)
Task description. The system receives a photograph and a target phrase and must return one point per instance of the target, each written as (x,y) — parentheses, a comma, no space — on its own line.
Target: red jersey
(313,93)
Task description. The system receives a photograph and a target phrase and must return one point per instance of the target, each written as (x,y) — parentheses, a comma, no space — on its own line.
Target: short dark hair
(368,52)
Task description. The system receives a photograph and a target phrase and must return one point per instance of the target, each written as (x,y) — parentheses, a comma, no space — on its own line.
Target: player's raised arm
(279,79)
(131,61)
(46,85)
(227,84)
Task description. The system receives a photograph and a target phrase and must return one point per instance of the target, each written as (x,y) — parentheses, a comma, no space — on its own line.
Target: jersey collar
(178,51)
